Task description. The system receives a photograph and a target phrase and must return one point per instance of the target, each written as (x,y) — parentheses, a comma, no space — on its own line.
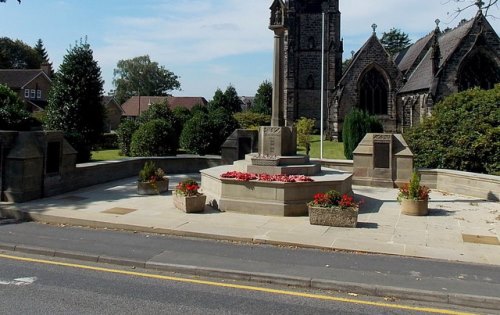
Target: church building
(400,90)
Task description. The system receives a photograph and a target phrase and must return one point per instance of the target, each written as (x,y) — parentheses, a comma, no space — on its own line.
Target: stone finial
(374,27)
(480,4)
(437,22)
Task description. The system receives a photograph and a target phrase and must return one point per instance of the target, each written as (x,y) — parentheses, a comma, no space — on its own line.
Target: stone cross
(374,27)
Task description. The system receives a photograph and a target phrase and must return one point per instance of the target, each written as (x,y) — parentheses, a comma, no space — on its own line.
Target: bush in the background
(205,133)
(154,138)
(252,120)
(124,133)
(463,133)
(305,128)
(13,115)
(357,124)
(109,141)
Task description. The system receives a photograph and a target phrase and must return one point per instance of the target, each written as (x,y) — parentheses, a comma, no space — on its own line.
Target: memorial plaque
(381,155)
(53,157)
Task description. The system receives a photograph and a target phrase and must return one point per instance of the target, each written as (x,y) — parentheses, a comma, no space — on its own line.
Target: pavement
(458,229)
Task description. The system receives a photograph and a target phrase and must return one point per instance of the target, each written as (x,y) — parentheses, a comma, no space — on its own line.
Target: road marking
(237,286)
(19,281)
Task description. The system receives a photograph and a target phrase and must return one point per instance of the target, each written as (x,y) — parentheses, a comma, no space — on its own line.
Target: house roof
(422,77)
(137,104)
(110,100)
(18,78)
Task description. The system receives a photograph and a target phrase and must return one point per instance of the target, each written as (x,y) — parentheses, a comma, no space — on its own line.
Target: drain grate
(120,211)
(480,239)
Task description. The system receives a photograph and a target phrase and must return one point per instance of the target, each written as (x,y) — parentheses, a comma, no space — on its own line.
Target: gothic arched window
(478,70)
(373,93)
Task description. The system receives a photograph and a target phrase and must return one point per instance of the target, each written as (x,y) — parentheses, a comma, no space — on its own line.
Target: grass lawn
(106,155)
(331,149)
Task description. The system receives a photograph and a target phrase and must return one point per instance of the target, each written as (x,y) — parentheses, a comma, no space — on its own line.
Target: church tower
(302,57)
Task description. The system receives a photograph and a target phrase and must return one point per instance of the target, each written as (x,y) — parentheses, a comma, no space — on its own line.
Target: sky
(209,44)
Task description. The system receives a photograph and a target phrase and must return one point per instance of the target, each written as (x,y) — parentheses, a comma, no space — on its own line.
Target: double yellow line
(237,286)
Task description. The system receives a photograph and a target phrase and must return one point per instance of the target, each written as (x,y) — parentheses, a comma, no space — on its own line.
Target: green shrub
(251,120)
(205,133)
(357,124)
(13,115)
(109,141)
(305,128)
(154,138)
(463,133)
(124,133)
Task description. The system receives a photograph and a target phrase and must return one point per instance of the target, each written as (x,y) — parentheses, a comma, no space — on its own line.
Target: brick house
(32,85)
(135,105)
(114,113)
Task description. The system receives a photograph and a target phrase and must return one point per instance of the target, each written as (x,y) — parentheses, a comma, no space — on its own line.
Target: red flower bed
(266,177)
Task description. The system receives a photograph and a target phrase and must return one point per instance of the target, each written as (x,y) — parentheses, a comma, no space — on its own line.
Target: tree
(463,133)
(13,115)
(305,127)
(395,40)
(228,100)
(75,100)
(357,124)
(263,100)
(486,5)
(17,55)
(141,76)
(42,54)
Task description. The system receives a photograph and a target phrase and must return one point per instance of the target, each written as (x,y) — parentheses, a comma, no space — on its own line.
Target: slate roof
(108,99)
(18,78)
(422,77)
(407,58)
(131,107)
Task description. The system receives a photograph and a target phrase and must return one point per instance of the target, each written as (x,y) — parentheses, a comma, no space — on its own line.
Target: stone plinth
(280,165)
(268,198)
(277,141)
(382,160)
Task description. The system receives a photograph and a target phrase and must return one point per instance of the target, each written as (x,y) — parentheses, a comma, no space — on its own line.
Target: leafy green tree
(125,132)
(13,115)
(263,100)
(357,124)
(395,40)
(74,102)
(463,133)
(251,120)
(305,128)
(205,132)
(155,138)
(17,55)
(228,100)
(141,76)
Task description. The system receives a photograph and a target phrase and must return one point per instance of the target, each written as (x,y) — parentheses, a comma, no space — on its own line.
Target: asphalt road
(151,250)
(33,287)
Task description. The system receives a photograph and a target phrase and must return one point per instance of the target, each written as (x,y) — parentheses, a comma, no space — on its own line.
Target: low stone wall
(342,165)
(464,183)
(89,174)
(458,182)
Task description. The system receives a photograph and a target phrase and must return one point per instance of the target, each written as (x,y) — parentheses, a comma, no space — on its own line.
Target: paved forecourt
(458,228)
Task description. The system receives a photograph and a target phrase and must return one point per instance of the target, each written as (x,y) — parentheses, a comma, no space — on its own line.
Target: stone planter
(190,204)
(334,216)
(147,188)
(414,207)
